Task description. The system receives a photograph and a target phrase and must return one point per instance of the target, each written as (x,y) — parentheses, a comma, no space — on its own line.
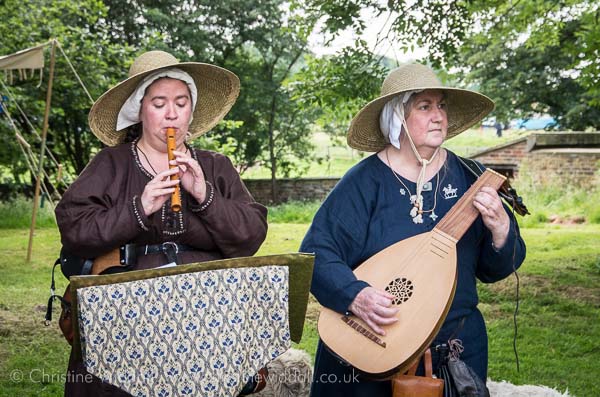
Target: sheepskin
(290,375)
(505,389)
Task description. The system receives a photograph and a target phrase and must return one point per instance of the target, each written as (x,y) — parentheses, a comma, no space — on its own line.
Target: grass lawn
(558,320)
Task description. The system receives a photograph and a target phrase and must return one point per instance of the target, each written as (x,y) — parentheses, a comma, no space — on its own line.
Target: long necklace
(417,210)
(146,157)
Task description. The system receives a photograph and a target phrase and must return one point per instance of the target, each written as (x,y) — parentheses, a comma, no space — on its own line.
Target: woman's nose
(171,113)
(438,114)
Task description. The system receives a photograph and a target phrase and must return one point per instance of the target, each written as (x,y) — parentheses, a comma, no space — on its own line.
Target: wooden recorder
(171,145)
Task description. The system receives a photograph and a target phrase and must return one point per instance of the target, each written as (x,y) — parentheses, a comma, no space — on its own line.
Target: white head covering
(130,111)
(391,118)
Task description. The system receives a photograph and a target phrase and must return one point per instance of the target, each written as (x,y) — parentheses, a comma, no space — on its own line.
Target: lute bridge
(363,331)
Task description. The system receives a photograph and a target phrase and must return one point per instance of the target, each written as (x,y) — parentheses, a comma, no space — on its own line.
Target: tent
(24,64)
(30,59)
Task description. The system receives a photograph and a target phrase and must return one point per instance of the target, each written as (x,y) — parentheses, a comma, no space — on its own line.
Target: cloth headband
(392,118)
(130,111)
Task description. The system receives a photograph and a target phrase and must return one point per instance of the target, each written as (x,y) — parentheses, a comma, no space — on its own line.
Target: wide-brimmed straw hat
(465,107)
(218,89)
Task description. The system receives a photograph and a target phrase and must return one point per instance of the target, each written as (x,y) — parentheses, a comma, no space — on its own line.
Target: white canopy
(28,59)
(31,58)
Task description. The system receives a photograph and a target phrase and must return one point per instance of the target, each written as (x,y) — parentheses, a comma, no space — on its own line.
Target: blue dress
(367,211)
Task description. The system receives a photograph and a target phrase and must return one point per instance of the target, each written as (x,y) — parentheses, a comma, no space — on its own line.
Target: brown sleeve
(92,216)
(237,223)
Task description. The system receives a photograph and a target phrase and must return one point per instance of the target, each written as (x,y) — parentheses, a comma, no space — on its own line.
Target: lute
(421,273)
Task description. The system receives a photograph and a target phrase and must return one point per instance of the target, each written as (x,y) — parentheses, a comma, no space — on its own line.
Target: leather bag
(411,385)
(65,321)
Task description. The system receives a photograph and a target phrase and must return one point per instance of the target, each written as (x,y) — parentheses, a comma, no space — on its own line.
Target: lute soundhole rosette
(401,288)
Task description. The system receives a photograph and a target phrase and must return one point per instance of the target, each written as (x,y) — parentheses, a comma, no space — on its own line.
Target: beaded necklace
(417,210)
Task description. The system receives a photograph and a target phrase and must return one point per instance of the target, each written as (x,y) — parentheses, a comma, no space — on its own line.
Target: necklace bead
(417,211)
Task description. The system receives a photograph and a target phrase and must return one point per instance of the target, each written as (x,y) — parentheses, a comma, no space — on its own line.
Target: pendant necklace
(417,210)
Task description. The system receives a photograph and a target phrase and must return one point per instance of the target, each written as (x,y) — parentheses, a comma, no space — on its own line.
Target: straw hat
(218,89)
(465,108)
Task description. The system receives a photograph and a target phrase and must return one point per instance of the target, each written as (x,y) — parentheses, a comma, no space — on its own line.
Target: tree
(261,41)
(529,56)
(338,86)
(538,57)
(438,25)
(78,28)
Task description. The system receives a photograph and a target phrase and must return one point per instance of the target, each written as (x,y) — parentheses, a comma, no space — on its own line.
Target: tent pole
(40,173)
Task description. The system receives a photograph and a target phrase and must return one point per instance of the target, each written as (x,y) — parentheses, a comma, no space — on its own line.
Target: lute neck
(460,217)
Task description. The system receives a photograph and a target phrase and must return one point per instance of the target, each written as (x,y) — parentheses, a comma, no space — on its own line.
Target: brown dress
(101,211)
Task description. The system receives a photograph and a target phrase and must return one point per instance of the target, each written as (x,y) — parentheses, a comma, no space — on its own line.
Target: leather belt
(130,252)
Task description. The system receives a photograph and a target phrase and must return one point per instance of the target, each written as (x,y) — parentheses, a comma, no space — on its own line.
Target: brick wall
(511,154)
(291,189)
(578,167)
(571,157)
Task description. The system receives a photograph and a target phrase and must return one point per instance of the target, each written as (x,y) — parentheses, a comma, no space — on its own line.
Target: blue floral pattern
(190,334)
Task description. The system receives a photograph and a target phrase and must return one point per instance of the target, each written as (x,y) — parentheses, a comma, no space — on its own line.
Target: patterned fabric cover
(189,334)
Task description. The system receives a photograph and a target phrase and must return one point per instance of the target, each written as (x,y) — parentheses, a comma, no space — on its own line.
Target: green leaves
(530,56)
(338,86)
(79,29)
(538,57)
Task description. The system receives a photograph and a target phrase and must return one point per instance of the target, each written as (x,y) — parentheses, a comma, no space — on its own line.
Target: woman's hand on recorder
(375,308)
(158,190)
(191,175)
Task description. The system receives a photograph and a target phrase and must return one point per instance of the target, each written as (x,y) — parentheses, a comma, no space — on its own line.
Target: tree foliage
(263,42)
(438,25)
(538,57)
(532,57)
(338,86)
(78,29)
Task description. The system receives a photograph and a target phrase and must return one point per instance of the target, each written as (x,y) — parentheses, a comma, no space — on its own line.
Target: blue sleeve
(497,264)
(337,237)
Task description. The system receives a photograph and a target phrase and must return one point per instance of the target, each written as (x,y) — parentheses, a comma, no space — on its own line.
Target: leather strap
(126,256)
(427,363)
(428,367)
(169,248)
(87,267)
(413,368)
